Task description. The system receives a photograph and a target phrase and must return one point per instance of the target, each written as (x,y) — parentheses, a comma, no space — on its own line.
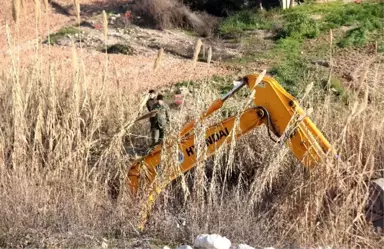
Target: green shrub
(335,86)
(290,67)
(367,17)
(54,38)
(354,37)
(289,47)
(299,25)
(246,20)
(119,49)
(353,14)
(291,74)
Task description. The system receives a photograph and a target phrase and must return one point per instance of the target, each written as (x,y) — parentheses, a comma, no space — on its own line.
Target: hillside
(71,90)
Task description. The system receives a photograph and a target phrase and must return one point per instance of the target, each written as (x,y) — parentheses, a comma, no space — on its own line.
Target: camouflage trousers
(157,135)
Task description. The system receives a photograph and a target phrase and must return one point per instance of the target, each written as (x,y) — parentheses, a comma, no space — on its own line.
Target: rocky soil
(134,69)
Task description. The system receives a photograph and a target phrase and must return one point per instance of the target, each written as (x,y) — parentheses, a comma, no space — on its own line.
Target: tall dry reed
(77,11)
(196,52)
(158,60)
(65,136)
(209,57)
(16,10)
(105,26)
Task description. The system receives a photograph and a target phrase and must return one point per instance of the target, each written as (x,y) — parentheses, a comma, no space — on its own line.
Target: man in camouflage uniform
(151,102)
(160,121)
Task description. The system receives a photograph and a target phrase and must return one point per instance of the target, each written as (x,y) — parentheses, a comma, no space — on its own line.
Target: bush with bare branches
(173,14)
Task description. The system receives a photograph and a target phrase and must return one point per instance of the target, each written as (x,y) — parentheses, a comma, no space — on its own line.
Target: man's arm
(167,113)
(147,104)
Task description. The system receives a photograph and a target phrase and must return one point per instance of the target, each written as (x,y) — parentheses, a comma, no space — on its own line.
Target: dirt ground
(136,71)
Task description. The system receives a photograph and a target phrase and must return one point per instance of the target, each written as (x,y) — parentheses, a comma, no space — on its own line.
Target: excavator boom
(273,107)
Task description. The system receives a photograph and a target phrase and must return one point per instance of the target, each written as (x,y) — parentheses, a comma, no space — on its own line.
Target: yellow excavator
(273,107)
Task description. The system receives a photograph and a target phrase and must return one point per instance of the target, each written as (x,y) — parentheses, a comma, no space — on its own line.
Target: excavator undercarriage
(273,107)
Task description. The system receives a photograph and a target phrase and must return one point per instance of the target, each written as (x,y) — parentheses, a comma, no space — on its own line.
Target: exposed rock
(323,63)
(212,241)
(184,247)
(244,246)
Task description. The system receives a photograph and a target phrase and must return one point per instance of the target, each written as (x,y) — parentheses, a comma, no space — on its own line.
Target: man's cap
(151,91)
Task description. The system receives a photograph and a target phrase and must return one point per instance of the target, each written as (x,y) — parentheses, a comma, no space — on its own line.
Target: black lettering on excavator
(190,150)
(223,134)
(209,141)
(215,137)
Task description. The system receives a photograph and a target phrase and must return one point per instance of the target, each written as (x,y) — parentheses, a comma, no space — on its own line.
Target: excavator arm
(273,107)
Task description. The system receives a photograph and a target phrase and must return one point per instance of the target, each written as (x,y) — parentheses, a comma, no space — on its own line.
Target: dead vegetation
(165,14)
(62,139)
(64,134)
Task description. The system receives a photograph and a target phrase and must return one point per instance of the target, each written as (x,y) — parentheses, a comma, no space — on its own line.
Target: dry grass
(209,57)
(62,139)
(173,14)
(255,192)
(197,51)
(77,10)
(158,60)
(105,26)
(16,11)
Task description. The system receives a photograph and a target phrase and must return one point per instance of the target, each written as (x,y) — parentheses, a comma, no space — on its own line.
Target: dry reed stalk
(197,51)
(209,57)
(77,10)
(158,60)
(76,84)
(16,11)
(330,59)
(204,50)
(19,129)
(38,14)
(75,61)
(51,112)
(46,5)
(105,26)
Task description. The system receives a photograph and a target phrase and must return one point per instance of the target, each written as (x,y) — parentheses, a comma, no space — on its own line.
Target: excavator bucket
(375,205)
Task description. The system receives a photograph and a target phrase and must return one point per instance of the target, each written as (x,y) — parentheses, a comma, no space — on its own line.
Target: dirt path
(359,67)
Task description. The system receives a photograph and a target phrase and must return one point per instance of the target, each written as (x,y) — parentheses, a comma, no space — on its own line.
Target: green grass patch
(293,26)
(247,20)
(190,32)
(354,14)
(299,26)
(186,83)
(334,85)
(366,19)
(54,38)
(381,46)
(360,36)
(289,67)
(291,74)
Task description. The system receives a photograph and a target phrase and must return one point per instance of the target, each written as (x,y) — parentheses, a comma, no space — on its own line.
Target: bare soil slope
(136,71)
